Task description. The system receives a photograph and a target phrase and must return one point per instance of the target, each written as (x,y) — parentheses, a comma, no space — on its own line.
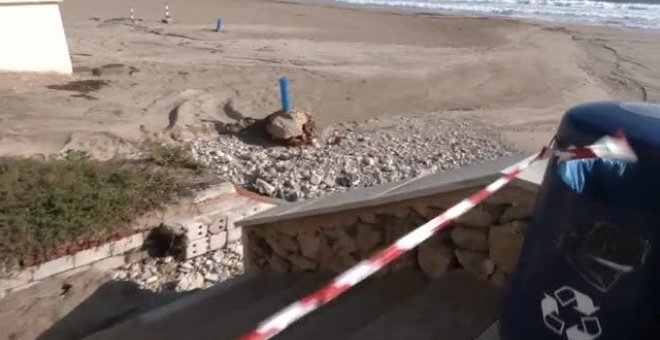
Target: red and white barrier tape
(606,148)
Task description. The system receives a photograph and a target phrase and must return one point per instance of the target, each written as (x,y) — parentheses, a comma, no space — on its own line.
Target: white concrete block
(53,267)
(91,255)
(218,241)
(231,221)
(195,230)
(218,225)
(234,235)
(197,247)
(127,244)
(247,209)
(32,38)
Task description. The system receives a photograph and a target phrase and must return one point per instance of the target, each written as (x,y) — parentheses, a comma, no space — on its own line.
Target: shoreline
(469,14)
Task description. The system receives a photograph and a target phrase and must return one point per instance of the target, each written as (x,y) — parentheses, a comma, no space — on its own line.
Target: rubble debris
(361,157)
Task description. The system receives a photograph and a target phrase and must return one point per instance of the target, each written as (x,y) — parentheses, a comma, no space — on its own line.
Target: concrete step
(405,306)
(456,307)
(232,325)
(182,318)
(357,307)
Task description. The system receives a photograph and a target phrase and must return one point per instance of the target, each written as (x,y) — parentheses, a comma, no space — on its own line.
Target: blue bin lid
(639,121)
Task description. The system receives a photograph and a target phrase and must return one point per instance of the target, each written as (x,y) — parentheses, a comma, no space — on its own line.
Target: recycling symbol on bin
(567,297)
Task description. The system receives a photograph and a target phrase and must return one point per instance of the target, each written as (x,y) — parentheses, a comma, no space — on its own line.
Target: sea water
(629,13)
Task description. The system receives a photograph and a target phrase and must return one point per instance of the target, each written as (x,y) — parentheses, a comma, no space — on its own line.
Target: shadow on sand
(110,304)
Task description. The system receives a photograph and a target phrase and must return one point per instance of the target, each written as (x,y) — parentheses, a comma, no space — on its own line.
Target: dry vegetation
(52,206)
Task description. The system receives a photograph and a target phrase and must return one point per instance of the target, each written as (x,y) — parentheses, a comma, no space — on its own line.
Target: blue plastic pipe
(284,90)
(218,25)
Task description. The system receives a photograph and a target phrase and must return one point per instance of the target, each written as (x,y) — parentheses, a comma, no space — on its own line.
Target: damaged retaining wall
(486,241)
(205,219)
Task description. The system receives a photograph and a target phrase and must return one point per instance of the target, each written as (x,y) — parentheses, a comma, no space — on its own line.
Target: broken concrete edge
(120,252)
(214,191)
(432,184)
(220,236)
(256,197)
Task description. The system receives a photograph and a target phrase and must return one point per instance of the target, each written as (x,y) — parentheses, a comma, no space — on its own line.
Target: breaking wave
(639,14)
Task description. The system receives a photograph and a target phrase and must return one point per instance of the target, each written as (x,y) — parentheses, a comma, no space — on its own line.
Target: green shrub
(173,156)
(47,205)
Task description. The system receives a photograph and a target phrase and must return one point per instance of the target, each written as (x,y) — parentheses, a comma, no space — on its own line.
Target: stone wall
(486,241)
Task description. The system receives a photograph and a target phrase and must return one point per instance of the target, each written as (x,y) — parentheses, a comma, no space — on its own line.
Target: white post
(167,18)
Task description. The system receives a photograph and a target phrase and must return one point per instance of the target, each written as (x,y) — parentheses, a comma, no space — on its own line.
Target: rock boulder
(506,241)
(476,217)
(516,211)
(476,263)
(291,128)
(309,243)
(435,257)
(474,239)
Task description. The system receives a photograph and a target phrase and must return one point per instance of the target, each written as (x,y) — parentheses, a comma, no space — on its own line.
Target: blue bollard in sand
(284,91)
(218,25)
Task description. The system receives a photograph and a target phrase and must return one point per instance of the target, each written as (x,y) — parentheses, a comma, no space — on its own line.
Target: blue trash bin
(589,268)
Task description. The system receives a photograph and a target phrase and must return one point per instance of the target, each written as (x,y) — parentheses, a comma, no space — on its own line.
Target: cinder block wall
(206,220)
(486,241)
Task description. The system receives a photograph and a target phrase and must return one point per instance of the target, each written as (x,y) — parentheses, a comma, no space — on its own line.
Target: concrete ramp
(362,306)
(402,306)
(456,307)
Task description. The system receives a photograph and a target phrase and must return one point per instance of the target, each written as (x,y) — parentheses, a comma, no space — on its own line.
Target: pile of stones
(350,155)
(168,274)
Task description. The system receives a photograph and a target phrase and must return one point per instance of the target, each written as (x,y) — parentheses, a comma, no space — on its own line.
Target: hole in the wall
(352,231)
(496,210)
(263,245)
(163,241)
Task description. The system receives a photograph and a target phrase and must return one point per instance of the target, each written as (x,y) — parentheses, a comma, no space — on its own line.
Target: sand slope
(175,81)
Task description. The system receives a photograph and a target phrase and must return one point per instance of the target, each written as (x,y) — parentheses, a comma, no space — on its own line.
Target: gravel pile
(347,156)
(167,274)
(351,155)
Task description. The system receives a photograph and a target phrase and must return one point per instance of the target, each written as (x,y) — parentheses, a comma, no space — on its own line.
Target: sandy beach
(345,64)
(413,87)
